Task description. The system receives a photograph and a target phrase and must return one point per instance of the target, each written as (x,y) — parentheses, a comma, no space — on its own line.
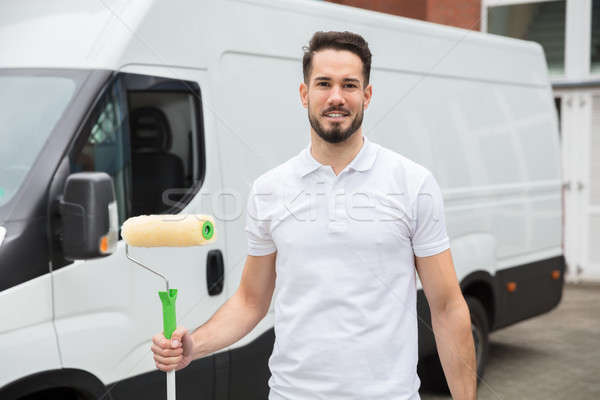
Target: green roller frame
(168,306)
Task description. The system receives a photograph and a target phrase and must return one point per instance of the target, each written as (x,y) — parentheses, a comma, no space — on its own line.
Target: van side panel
(497,164)
(27,337)
(265,125)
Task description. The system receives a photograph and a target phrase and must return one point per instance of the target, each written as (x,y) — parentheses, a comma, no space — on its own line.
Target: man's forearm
(232,321)
(456,350)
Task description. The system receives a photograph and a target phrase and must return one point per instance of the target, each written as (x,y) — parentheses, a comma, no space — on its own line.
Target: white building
(569,32)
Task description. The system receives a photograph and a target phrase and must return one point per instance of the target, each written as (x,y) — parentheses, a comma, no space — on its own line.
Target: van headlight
(2,234)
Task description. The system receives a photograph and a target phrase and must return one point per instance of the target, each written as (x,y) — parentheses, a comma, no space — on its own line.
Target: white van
(183,104)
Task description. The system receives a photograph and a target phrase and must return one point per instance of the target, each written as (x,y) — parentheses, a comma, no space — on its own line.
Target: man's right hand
(173,354)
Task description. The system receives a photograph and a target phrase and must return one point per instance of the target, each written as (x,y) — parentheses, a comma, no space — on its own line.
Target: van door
(147,133)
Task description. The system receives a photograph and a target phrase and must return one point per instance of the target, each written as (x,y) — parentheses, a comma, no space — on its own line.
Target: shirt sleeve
(260,242)
(429,235)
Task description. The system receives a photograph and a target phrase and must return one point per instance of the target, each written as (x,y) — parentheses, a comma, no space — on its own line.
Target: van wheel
(480,329)
(57,394)
(430,369)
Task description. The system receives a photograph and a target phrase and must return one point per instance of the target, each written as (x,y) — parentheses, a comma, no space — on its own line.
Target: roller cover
(168,230)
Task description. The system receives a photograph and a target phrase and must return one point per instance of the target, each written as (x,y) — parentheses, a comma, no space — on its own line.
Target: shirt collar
(363,161)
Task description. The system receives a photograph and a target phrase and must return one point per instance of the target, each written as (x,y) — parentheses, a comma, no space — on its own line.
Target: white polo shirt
(345,298)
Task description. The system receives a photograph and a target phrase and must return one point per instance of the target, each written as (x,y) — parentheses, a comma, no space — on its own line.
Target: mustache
(333,109)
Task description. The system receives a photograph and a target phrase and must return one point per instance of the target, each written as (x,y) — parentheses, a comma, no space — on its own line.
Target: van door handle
(215,272)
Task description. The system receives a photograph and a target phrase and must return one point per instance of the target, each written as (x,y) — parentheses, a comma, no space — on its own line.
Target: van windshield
(31,104)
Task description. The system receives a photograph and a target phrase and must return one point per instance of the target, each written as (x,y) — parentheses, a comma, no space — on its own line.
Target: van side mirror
(90,222)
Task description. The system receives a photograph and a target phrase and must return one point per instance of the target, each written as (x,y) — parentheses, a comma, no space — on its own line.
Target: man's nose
(335,96)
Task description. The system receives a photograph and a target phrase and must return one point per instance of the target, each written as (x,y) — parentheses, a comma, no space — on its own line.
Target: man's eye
(322,84)
(350,85)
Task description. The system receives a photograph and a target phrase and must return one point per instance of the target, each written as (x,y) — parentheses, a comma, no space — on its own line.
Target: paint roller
(167,231)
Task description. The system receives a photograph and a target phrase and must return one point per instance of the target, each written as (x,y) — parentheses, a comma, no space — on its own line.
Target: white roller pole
(170,385)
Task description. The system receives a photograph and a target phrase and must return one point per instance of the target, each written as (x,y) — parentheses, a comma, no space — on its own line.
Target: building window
(558,106)
(595,39)
(539,22)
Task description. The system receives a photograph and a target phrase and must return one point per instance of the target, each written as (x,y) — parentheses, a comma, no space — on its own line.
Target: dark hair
(338,41)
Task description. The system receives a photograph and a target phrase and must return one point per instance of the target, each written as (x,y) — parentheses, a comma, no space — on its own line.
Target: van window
(145,134)
(106,147)
(31,104)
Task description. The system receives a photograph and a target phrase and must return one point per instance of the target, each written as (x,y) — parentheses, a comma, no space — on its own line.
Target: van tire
(430,370)
(480,328)
(57,394)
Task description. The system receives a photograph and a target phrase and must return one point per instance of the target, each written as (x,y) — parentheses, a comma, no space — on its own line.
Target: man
(339,230)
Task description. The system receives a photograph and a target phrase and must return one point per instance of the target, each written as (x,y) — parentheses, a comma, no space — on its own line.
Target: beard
(335,134)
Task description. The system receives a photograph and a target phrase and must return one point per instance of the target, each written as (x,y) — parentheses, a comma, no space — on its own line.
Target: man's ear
(368,92)
(304,94)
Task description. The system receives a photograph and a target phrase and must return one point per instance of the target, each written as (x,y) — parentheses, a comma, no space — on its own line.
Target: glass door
(580,125)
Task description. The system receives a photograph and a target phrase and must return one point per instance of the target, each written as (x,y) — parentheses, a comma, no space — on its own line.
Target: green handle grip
(168,306)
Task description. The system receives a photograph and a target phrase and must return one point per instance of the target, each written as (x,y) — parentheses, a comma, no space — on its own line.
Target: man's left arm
(451,323)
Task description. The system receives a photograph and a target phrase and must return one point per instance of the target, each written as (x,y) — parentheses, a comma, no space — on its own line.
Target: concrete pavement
(554,356)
